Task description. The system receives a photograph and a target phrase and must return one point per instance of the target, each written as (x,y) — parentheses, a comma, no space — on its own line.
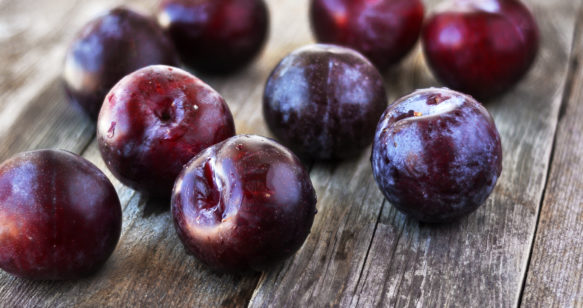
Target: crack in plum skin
(323,101)
(215,36)
(384,31)
(60,217)
(243,204)
(154,121)
(437,155)
(108,48)
(481,47)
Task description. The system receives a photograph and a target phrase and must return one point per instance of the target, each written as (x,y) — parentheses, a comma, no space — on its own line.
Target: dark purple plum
(154,121)
(243,204)
(383,30)
(436,155)
(323,101)
(481,47)
(60,217)
(215,36)
(108,48)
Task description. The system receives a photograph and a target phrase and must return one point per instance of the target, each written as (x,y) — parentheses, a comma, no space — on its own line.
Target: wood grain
(33,38)
(361,252)
(555,275)
(479,261)
(41,118)
(149,266)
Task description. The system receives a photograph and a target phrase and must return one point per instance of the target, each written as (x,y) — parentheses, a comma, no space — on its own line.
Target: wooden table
(524,247)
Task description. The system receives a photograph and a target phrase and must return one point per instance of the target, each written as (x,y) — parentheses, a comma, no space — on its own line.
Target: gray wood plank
(555,274)
(361,251)
(478,261)
(34,36)
(33,113)
(47,121)
(149,267)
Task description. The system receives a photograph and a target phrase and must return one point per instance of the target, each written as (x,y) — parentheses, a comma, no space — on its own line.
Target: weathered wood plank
(478,261)
(555,275)
(37,116)
(33,113)
(33,38)
(361,251)
(31,49)
(149,266)
(481,260)
(47,121)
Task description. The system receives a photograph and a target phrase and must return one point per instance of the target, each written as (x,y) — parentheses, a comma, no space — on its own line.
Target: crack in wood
(567,89)
(164,272)
(369,247)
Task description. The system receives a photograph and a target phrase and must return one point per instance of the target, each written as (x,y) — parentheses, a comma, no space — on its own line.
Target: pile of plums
(243,202)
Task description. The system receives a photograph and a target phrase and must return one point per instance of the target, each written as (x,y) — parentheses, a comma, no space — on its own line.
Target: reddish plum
(60,217)
(323,101)
(243,204)
(481,47)
(437,155)
(108,48)
(383,30)
(154,121)
(215,36)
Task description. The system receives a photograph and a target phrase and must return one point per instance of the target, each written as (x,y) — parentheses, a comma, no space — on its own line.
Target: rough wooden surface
(478,261)
(361,252)
(555,275)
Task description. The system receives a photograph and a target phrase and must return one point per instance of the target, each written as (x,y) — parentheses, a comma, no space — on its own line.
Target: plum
(60,217)
(436,155)
(481,47)
(382,30)
(215,36)
(108,48)
(243,204)
(154,121)
(323,101)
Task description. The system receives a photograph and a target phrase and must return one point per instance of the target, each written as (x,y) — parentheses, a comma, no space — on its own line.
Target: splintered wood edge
(555,273)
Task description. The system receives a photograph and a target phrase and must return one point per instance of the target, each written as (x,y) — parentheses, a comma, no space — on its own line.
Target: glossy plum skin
(481,47)
(384,31)
(60,217)
(108,48)
(154,121)
(436,155)
(243,204)
(323,101)
(215,36)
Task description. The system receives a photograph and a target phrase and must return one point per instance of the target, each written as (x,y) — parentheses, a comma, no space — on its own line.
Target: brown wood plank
(149,266)
(33,113)
(33,38)
(37,116)
(555,274)
(478,261)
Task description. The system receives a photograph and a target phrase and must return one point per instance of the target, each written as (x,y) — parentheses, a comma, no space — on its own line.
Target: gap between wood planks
(567,89)
(563,86)
(567,86)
